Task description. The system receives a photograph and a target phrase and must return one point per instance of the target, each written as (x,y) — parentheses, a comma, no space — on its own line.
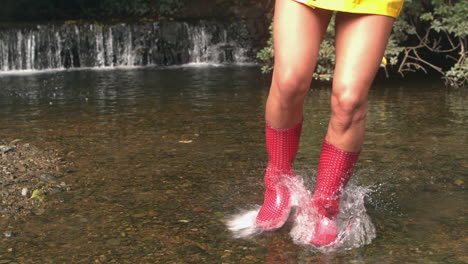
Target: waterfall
(66,46)
(206,49)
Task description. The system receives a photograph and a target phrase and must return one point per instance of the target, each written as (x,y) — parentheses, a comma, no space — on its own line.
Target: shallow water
(162,156)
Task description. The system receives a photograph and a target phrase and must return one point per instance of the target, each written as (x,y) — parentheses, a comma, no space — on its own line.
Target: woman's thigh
(298,32)
(360,45)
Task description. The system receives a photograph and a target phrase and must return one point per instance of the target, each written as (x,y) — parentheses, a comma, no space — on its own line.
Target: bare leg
(298,32)
(360,45)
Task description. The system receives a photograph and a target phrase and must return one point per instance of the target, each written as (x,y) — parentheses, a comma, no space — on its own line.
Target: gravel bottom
(27,176)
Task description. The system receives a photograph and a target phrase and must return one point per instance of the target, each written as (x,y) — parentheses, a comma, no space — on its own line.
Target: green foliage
(448,17)
(442,30)
(267,53)
(326,59)
(457,76)
(452,19)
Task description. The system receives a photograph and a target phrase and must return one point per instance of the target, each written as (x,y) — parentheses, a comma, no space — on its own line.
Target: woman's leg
(360,45)
(298,31)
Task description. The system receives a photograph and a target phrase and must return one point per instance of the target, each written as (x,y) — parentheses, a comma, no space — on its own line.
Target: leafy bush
(441,32)
(267,53)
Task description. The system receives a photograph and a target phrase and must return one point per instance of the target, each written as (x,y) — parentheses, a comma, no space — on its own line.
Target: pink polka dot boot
(333,173)
(282,146)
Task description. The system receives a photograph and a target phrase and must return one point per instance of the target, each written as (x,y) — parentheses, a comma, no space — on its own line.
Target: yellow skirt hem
(390,8)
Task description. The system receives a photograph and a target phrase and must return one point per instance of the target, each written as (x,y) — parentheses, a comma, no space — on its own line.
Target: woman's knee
(290,86)
(349,104)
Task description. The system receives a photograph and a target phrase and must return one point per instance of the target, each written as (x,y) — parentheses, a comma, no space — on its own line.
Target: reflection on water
(162,154)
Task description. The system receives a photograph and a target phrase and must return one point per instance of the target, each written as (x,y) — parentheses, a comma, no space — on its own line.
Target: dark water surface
(163,155)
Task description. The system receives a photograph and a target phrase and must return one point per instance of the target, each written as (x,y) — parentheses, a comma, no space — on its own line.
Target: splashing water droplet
(355,226)
(242,225)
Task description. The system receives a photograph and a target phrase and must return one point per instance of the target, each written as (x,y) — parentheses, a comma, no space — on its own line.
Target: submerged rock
(5,149)
(49,176)
(24,191)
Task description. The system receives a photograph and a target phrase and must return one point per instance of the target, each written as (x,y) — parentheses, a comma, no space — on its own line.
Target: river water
(162,156)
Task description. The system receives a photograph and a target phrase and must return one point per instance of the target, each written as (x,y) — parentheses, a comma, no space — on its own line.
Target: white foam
(355,226)
(242,225)
(127,67)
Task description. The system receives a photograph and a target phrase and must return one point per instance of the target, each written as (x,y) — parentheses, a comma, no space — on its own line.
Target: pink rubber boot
(282,146)
(333,173)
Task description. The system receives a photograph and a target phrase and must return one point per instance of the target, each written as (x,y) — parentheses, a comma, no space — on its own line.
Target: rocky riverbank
(28,175)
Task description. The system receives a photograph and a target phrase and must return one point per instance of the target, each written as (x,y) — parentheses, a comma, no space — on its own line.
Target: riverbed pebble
(24,191)
(27,175)
(5,149)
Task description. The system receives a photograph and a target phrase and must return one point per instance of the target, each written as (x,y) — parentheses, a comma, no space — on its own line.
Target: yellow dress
(378,7)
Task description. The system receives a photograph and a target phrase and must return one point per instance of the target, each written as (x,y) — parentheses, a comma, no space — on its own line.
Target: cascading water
(206,48)
(152,43)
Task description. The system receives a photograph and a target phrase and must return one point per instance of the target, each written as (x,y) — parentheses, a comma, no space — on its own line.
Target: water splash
(355,226)
(242,225)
